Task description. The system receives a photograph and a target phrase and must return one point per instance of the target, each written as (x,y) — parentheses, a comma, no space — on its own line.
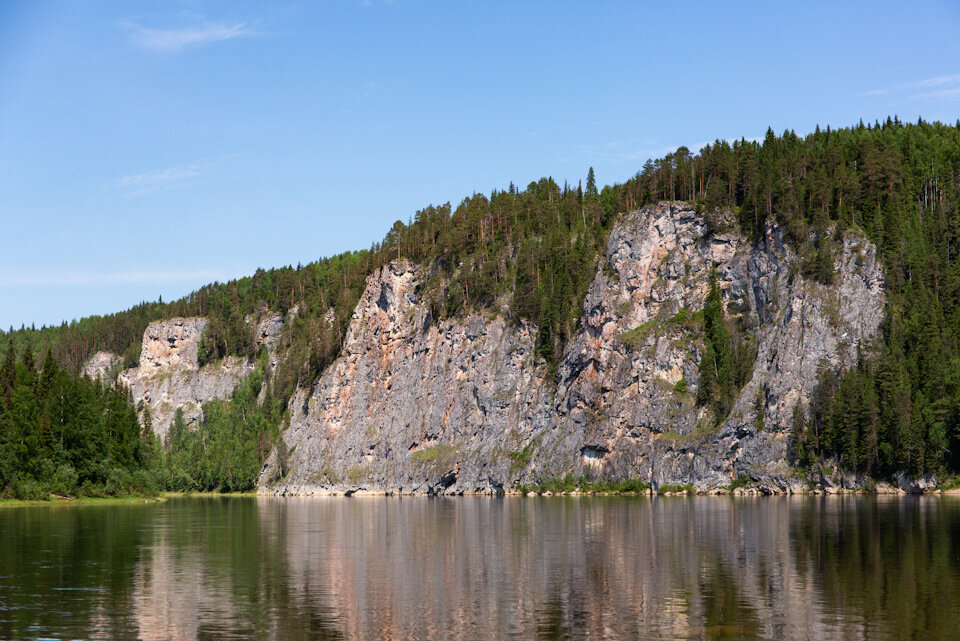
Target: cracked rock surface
(169,376)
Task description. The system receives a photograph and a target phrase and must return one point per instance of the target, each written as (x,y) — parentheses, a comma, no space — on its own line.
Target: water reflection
(534,568)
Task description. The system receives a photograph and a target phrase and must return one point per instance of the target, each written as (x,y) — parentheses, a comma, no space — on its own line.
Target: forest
(536,250)
(64,434)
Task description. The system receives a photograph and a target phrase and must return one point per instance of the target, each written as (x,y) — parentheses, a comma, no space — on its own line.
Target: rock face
(170,377)
(413,405)
(620,402)
(268,328)
(185,386)
(171,344)
(102,365)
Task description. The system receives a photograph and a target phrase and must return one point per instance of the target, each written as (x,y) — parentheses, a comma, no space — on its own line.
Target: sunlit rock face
(170,377)
(627,386)
(413,405)
(463,404)
(171,344)
(102,365)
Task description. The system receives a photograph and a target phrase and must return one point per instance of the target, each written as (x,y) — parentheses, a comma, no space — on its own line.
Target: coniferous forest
(536,250)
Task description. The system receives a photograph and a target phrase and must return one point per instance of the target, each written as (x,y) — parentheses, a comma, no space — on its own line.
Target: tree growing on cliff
(717,385)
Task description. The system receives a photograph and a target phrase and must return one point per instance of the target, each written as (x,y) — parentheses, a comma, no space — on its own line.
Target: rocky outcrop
(268,328)
(413,405)
(103,366)
(171,344)
(462,405)
(184,387)
(625,398)
(170,378)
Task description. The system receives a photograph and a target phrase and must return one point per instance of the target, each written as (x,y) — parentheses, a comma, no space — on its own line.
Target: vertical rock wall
(627,386)
(413,405)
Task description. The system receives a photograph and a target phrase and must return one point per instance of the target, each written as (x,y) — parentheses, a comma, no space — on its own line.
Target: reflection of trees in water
(547,568)
(67,570)
(213,572)
(571,568)
(888,560)
(726,615)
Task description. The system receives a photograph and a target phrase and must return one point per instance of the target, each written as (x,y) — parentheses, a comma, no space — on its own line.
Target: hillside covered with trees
(536,250)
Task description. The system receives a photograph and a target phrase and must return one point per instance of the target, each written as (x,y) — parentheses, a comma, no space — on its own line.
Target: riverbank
(57,501)
(879,489)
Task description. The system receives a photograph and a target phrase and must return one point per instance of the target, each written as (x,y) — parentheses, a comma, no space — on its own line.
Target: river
(839,567)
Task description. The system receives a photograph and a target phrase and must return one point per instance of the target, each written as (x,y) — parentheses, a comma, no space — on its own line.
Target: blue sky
(149,148)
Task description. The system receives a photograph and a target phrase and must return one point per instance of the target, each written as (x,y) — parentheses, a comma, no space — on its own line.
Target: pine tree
(47,373)
(591,199)
(717,384)
(8,373)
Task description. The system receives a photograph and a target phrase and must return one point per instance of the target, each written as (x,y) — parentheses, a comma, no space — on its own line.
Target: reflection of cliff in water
(210,571)
(607,568)
(479,568)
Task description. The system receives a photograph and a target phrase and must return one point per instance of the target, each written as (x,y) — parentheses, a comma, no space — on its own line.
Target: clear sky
(147,148)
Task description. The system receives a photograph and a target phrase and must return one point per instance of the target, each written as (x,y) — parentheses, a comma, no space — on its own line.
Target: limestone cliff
(411,404)
(618,401)
(462,405)
(169,376)
(103,366)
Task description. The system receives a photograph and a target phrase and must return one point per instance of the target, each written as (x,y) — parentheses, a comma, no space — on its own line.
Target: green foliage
(675,489)
(66,435)
(440,458)
(225,453)
(521,458)
(313,290)
(584,484)
(684,320)
(535,250)
(727,359)
(637,337)
(760,408)
(845,422)
(899,185)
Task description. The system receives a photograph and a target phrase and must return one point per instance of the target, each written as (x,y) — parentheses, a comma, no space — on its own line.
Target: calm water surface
(484,568)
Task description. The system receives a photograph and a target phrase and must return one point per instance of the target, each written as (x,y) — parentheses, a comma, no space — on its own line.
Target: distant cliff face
(462,405)
(169,376)
(102,365)
(171,344)
(412,405)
